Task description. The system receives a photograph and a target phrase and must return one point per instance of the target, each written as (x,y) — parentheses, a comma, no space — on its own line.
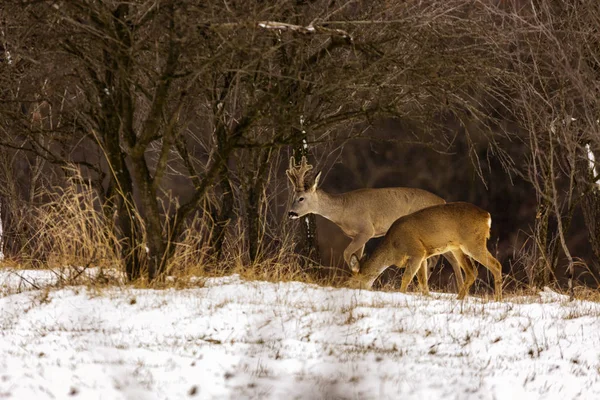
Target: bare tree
(188,109)
(554,55)
(126,90)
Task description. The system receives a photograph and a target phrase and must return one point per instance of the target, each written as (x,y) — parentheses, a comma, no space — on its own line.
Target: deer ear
(316,182)
(354,263)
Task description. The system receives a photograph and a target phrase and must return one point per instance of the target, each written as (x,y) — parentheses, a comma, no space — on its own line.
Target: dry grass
(585,293)
(72,236)
(71,231)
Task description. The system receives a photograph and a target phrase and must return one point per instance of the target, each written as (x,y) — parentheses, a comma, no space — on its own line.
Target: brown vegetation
(174,121)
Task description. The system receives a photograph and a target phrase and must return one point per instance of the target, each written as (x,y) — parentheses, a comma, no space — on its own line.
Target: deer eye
(301,199)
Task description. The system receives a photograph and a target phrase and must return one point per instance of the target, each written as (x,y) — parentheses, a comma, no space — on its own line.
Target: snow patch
(237,339)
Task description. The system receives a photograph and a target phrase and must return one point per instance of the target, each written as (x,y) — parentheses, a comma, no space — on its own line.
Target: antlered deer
(361,214)
(461,228)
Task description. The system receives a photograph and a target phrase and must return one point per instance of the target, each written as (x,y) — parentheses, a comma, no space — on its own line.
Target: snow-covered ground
(232,339)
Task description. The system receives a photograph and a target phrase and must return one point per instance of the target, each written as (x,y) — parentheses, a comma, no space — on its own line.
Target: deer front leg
(412,267)
(357,246)
(424,272)
(423,278)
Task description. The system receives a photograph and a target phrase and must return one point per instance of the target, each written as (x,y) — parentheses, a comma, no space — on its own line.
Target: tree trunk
(120,196)
(253,200)
(156,244)
(540,275)
(222,216)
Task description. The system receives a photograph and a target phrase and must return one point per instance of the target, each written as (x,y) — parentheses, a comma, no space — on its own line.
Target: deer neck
(331,206)
(378,262)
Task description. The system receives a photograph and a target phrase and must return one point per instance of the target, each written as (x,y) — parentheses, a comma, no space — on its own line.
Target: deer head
(305,199)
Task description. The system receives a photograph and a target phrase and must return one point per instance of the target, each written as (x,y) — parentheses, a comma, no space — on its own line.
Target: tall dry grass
(193,255)
(72,231)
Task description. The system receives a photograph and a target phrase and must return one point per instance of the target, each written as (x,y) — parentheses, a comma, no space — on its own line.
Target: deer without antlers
(460,228)
(361,214)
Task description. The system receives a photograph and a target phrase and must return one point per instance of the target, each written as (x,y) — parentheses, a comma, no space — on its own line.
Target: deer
(460,228)
(361,214)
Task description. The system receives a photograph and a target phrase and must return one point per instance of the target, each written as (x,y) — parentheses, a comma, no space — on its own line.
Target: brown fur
(459,228)
(361,214)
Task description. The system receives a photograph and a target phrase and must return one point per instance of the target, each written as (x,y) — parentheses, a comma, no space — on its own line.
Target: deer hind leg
(470,272)
(484,257)
(412,267)
(456,266)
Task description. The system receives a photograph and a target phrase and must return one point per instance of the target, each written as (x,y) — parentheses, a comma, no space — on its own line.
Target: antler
(297,174)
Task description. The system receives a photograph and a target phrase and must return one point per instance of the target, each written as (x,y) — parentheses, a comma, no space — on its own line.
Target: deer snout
(293,215)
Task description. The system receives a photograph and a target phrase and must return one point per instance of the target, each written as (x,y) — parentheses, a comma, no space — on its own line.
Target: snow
(230,338)
(592,162)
